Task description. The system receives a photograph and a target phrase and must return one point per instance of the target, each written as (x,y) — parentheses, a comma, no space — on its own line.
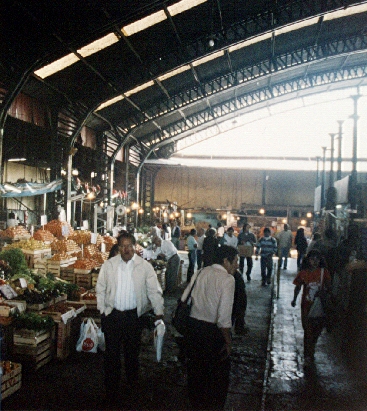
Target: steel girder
(279,15)
(249,99)
(237,78)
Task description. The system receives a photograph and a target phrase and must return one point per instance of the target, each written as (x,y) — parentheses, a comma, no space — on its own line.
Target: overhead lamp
(262,211)
(189,215)
(309,215)
(171,216)
(303,222)
(165,214)
(17,159)
(63,172)
(141,211)
(75,172)
(134,206)
(284,221)
(91,195)
(224,216)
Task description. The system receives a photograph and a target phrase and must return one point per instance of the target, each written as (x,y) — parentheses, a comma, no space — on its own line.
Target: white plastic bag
(159,332)
(88,338)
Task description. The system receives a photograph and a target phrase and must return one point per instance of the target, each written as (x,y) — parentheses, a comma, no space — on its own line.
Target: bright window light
(144,23)
(139,88)
(174,73)
(98,45)
(110,102)
(208,58)
(349,11)
(71,58)
(184,5)
(56,66)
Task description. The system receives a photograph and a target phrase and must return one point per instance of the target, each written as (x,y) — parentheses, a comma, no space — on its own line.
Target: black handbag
(180,316)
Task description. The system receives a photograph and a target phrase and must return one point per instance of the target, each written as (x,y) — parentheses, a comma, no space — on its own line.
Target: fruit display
(84,264)
(92,252)
(44,235)
(59,228)
(109,241)
(15,232)
(30,245)
(8,366)
(59,257)
(65,246)
(85,237)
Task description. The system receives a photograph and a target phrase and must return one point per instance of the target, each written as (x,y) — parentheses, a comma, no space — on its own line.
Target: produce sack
(88,338)
(159,332)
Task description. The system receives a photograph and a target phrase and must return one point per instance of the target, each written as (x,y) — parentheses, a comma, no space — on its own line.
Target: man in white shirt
(155,230)
(229,238)
(127,287)
(220,230)
(166,249)
(208,340)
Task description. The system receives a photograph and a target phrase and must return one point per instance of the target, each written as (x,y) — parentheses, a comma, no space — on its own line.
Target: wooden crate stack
(11,379)
(34,348)
(34,256)
(83,278)
(67,274)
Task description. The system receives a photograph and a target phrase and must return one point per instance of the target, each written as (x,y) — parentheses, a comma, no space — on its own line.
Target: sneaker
(248,277)
(268,280)
(263,284)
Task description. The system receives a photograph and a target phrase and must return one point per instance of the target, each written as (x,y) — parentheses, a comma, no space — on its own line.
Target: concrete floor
(267,367)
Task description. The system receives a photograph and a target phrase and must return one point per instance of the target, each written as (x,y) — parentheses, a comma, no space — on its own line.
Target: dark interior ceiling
(289,59)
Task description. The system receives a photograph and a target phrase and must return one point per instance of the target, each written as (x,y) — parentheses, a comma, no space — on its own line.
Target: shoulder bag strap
(189,294)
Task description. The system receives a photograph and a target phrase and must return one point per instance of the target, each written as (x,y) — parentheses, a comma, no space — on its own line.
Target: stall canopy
(29,189)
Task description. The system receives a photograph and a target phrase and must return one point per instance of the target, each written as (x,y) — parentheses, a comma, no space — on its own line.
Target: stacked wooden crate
(11,378)
(34,256)
(33,348)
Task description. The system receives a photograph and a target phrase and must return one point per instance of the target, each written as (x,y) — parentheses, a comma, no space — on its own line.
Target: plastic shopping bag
(159,332)
(88,338)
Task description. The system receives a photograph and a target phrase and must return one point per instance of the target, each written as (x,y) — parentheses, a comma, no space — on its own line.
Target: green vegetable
(34,321)
(15,258)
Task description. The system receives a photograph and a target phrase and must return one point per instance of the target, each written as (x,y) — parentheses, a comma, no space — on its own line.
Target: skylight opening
(98,45)
(110,102)
(183,6)
(56,66)
(144,23)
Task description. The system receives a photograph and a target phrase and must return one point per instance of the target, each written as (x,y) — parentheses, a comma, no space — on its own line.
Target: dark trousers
(312,331)
(173,265)
(207,371)
(199,258)
(266,264)
(300,255)
(192,262)
(122,329)
(249,262)
(284,252)
(239,303)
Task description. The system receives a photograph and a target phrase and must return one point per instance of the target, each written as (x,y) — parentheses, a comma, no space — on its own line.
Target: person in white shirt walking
(199,250)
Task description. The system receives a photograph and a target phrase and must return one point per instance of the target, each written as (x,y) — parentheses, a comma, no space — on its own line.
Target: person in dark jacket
(301,244)
(239,305)
(210,246)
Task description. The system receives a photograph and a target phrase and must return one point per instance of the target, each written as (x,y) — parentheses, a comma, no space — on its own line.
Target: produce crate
(83,280)
(31,338)
(20,304)
(40,306)
(10,381)
(6,311)
(32,256)
(63,341)
(67,274)
(59,316)
(34,348)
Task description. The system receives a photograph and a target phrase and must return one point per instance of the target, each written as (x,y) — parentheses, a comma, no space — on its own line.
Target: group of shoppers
(128,287)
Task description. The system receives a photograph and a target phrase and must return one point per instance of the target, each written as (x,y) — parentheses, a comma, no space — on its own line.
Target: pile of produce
(39,288)
(65,246)
(14,232)
(44,235)
(92,252)
(85,264)
(30,244)
(34,321)
(85,236)
(109,241)
(59,228)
